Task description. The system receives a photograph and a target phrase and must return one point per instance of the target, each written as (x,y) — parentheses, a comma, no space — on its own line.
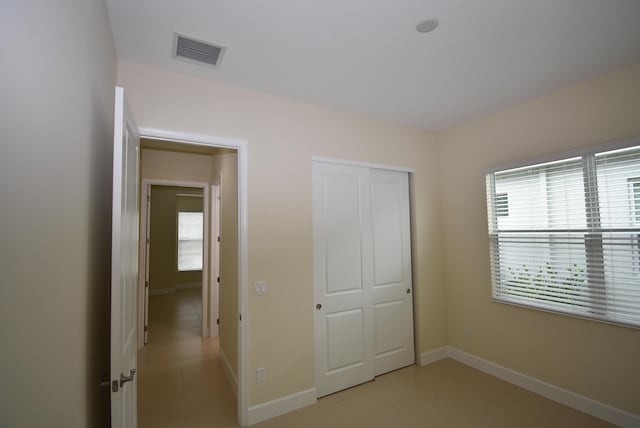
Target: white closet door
(343,275)
(392,286)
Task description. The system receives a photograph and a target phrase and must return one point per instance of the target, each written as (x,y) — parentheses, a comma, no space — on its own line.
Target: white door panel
(124,266)
(389,321)
(345,340)
(342,277)
(387,231)
(342,222)
(392,289)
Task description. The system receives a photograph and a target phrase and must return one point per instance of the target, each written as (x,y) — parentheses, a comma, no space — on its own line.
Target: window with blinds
(565,235)
(190,240)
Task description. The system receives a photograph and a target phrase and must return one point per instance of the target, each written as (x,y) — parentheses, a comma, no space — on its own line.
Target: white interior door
(124,266)
(342,277)
(392,286)
(362,274)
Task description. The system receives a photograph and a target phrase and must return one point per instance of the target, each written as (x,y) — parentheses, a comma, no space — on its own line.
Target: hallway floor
(181,382)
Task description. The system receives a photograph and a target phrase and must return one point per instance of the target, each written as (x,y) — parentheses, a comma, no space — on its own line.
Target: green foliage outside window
(548,284)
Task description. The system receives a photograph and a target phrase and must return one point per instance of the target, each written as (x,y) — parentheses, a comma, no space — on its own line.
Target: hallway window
(190,240)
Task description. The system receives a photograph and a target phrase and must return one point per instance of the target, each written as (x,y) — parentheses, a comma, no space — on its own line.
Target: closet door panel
(343,275)
(392,291)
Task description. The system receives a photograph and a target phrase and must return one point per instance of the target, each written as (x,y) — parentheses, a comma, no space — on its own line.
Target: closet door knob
(318,306)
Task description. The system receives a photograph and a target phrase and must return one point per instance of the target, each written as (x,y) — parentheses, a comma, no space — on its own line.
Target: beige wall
(226,168)
(283,135)
(169,165)
(594,359)
(56,126)
(163,263)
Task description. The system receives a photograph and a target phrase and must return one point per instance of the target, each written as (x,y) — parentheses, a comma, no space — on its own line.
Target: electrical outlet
(260,375)
(466,331)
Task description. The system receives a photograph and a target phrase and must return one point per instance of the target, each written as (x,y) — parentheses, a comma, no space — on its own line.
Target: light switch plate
(260,375)
(260,288)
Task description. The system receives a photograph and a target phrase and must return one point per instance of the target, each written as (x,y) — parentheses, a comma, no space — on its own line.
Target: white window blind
(569,239)
(190,240)
(634,189)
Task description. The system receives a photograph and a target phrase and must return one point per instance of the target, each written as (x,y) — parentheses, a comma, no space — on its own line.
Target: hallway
(181,381)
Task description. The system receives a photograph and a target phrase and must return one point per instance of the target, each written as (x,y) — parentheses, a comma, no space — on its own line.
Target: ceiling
(366,57)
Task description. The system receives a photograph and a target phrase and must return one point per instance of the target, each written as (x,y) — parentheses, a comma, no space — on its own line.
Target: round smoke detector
(427,26)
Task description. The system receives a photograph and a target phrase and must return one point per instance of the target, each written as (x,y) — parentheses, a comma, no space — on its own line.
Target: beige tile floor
(442,394)
(182,384)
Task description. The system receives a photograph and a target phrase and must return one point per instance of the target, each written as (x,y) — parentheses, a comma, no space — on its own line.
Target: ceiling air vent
(192,50)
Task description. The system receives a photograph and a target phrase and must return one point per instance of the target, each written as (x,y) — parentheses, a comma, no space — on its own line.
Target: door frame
(145,213)
(362,163)
(241,146)
(214,297)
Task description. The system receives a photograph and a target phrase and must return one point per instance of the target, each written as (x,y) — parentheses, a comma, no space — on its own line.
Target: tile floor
(442,394)
(181,382)
(182,385)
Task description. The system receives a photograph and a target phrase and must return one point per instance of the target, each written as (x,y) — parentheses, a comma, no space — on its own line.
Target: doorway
(194,366)
(174,243)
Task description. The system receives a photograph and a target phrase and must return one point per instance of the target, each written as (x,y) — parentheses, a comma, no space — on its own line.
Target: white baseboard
(571,399)
(161,291)
(282,405)
(228,372)
(187,285)
(434,355)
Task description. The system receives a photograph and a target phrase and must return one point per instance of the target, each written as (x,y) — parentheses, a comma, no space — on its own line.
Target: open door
(124,266)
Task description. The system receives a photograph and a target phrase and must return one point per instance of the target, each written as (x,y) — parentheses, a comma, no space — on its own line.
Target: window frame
(593,243)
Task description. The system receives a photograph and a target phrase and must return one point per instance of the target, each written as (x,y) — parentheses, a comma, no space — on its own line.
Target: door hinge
(218,279)
(218,239)
(146,327)
(218,321)
(240,315)
(146,284)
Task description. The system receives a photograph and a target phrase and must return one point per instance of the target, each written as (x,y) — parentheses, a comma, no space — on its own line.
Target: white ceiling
(365,56)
